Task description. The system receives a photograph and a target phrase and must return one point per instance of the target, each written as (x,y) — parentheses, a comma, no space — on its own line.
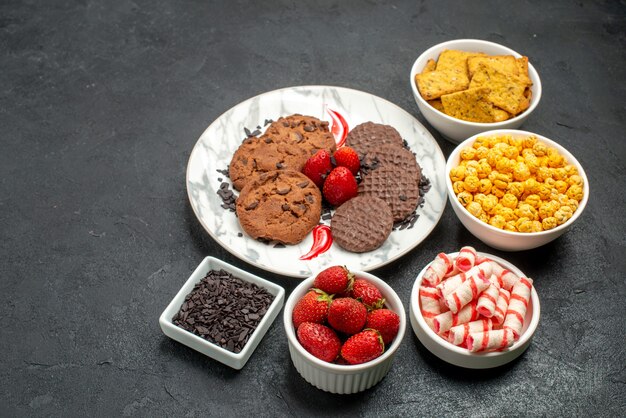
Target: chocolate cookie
(280,205)
(262,154)
(395,186)
(362,224)
(389,154)
(370,135)
(309,133)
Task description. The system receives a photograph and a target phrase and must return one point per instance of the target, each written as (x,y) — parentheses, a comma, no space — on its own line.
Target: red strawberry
(347,315)
(317,167)
(319,340)
(312,307)
(334,280)
(363,347)
(340,186)
(367,293)
(347,157)
(386,322)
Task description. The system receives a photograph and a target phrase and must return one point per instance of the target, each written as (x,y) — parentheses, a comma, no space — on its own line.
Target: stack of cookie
(276,201)
(388,191)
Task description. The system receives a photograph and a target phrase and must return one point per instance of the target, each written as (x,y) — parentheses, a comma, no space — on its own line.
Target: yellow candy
(556,161)
(497,192)
(471,170)
(544,191)
(537,226)
(475,209)
(533,200)
(529,141)
(573,203)
(542,174)
(493,156)
(549,223)
(546,210)
(509,201)
(501,181)
(526,211)
(484,169)
(457,173)
(571,169)
(563,214)
(575,192)
(521,172)
(575,179)
(458,186)
(498,221)
(524,225)
(531,185)
(482,152)
(559,174)
(465,198)
(510,226)
(540,149)
(507,213)
(515,188)
(511,152)
(471,183)
(468,153)
(505,165)
(481,141)
(489,203)
(484,186)
(561,186)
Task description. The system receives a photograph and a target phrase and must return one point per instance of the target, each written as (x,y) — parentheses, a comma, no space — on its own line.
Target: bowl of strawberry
(343,329)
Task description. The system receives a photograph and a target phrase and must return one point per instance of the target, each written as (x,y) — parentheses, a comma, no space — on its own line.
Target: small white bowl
(456,130)
(229,358)
(499,238)
(339,378)
(462,357)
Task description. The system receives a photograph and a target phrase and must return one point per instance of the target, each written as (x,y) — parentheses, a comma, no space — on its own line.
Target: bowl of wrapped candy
(473,309)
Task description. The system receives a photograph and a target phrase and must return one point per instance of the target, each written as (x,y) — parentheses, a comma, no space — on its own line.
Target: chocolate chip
(268,140)
(283,190)
(252,205)
(279,165)
(303,184)
(309,128)
(285,206)
(402,197)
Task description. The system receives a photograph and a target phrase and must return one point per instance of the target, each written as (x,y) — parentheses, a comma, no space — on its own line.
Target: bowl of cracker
(467,86)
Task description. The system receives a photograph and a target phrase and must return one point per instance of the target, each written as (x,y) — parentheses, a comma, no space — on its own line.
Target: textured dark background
(100,106)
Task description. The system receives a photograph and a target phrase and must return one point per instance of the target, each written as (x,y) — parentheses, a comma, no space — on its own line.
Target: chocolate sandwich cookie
(395,186)
(258,155)
(370,135)
(389,154)
(280,205)
(362,224)
(308,132)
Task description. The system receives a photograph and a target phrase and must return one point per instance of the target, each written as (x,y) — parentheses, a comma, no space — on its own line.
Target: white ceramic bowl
(338,378)
(234,360)
(456,130)
(499,238)
(461,356)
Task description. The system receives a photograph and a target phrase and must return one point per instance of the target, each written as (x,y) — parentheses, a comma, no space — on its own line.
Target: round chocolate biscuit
(370,135)
(395,186)
(361,224)
(258,155)
(389,154)
(280,205)
(308,132)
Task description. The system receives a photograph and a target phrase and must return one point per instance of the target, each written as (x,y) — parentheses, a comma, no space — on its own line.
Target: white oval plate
(216,145)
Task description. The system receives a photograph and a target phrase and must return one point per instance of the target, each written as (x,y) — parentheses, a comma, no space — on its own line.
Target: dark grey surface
(100,106)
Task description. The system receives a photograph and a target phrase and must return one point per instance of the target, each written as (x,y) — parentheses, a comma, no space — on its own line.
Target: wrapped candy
(449,285)
(490,340)
(430,303)
(501,306)
(458,334)
(438,269)
(487,300)
(503,277)
(518,303)
(467,291)
(466,258)
(446,320)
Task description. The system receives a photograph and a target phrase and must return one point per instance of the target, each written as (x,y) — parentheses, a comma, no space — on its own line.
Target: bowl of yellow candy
(515,190)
